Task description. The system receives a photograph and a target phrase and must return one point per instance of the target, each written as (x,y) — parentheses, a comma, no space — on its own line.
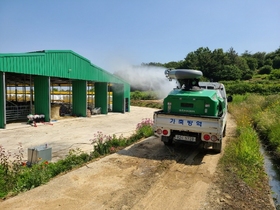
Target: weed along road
(146,175)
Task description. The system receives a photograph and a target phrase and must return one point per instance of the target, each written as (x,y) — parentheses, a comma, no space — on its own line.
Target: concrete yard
(71,133)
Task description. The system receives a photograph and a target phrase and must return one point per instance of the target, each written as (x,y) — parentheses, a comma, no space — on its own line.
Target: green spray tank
(191,99)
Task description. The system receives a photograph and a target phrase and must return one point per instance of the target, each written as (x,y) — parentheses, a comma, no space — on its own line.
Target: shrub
(145,128)
(265,69)
(136,95)
(105,144)
(275,74)
(143,103)
(9,169)
(101,143)
(144,95)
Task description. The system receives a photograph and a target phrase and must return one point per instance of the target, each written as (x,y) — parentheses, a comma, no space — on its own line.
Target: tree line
(218,65)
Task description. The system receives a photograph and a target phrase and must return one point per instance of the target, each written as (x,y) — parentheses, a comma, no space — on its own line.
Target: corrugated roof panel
(55,63)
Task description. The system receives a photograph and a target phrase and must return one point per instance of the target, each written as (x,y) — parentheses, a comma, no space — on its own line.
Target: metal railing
(16,112)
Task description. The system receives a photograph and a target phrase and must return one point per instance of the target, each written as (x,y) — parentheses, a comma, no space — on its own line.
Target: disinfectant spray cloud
(146,78)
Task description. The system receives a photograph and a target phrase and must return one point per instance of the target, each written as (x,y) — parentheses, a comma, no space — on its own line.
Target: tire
(224,131)
(167,140)
(217,147)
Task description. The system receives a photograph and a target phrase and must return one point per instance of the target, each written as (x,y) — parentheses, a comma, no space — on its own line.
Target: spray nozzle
(166,72)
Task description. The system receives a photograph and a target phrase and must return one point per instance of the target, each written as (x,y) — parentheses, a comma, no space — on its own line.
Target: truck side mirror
(229,99)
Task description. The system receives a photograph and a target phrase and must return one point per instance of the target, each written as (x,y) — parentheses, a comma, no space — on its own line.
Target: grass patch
(243,158)
(258,122)
(147,103)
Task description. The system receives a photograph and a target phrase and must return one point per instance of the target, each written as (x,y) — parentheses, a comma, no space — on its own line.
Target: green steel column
(101,96)
(2,100)
(42,100)
(79,94)
(118,98)
(127,97)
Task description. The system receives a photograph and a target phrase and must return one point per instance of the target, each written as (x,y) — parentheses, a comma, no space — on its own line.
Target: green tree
(252,63)
(268,62)
(152,64)
(232,57)
(270,56)
(173,64)
(218,59)
(230,72)
(277,51)
(276,62)
(191,61)
(260,56)
(241,63)
(217,64)
(246,54)
(200,60)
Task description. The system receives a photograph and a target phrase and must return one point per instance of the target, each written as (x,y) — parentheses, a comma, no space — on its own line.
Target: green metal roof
(56,63)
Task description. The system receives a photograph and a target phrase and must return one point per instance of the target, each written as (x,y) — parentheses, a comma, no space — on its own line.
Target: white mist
(146,78)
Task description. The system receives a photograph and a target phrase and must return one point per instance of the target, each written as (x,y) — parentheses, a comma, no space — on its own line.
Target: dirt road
(147,175)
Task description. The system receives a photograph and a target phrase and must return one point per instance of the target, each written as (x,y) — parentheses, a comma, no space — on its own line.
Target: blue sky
(108,32)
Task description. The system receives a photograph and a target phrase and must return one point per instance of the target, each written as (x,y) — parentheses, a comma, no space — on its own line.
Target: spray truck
(194,112)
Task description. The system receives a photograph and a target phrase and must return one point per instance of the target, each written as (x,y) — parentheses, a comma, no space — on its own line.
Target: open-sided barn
(28,82)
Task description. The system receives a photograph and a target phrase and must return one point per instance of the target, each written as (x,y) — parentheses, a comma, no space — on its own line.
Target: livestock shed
(33,82)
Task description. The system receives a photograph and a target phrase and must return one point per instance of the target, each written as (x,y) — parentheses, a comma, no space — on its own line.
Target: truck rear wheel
(167,140)
(224,131)
(217,147)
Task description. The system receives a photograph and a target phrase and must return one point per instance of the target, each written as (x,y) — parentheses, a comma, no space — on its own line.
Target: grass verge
(242,153)
(242,164)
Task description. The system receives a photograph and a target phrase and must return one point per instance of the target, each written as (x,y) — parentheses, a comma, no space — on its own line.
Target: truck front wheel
(167,140)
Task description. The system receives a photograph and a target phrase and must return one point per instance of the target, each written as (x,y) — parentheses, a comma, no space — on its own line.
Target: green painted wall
(101,96)
(42,96)
(79,93)
(2,101)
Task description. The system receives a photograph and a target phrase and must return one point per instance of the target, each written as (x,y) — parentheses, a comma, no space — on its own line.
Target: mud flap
(217,147)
